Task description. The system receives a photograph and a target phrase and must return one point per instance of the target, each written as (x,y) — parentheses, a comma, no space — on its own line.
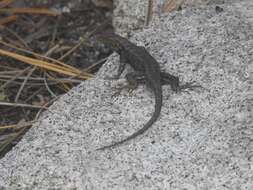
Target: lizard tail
(158,106)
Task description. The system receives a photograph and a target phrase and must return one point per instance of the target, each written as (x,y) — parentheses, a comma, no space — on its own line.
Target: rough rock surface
(129,15)
(202,140)
(134,15)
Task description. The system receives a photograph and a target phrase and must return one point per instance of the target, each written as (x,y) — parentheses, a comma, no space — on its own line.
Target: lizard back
(144,64)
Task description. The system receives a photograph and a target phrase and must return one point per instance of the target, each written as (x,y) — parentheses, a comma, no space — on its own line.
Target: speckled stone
(203,139)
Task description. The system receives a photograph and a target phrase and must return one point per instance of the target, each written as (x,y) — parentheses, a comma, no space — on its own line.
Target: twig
(19,125)
(5,3)
(148,12)
(14,78)
(89,68)
(45,57)
(33,94)
(71,50)
(64,80)
(17,36)
(55,30)
(94,65)
(47,87)
(24,83)
(8,19)
(10,139)
(29,10)
(46,104)
(2,73)
(21,105)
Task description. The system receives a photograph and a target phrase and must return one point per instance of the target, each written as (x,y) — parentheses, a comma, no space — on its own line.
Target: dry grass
(29,80)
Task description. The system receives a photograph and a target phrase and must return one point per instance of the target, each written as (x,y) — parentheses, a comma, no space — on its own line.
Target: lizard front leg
(121,67)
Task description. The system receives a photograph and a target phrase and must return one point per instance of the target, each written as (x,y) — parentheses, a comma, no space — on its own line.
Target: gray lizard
(146,68)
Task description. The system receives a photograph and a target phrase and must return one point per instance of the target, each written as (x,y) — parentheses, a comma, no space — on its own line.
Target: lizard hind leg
(190,85)
(173,81)
(133,79)
(168,79)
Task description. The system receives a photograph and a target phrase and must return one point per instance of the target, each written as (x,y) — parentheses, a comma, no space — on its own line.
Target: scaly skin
(144,65)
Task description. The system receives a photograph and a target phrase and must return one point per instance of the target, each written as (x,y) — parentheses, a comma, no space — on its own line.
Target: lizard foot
(190,85)
(118,90)
(130,87)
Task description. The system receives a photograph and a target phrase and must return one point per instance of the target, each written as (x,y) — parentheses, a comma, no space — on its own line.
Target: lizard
(146,68)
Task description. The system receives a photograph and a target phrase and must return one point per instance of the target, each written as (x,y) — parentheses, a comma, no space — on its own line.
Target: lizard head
(106,41)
